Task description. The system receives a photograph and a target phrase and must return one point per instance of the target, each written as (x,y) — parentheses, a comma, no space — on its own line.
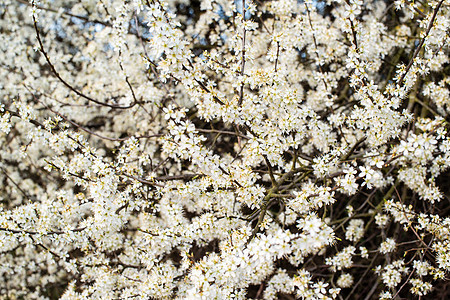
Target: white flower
(5,123)
(345,280)
(387,246)
(355,230)
(419,287)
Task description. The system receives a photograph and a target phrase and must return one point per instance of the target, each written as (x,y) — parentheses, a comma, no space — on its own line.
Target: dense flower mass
(217,149)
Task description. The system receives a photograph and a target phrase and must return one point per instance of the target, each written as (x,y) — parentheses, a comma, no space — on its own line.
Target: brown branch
(241,92)
(419,47)
(70,87)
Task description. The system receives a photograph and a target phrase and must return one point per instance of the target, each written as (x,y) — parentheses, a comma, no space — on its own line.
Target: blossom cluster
(215,149)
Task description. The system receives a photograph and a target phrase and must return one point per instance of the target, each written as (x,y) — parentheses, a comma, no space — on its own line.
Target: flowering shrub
(174,149)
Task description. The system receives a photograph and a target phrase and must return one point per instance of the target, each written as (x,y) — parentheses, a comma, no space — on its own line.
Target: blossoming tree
(216,149)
